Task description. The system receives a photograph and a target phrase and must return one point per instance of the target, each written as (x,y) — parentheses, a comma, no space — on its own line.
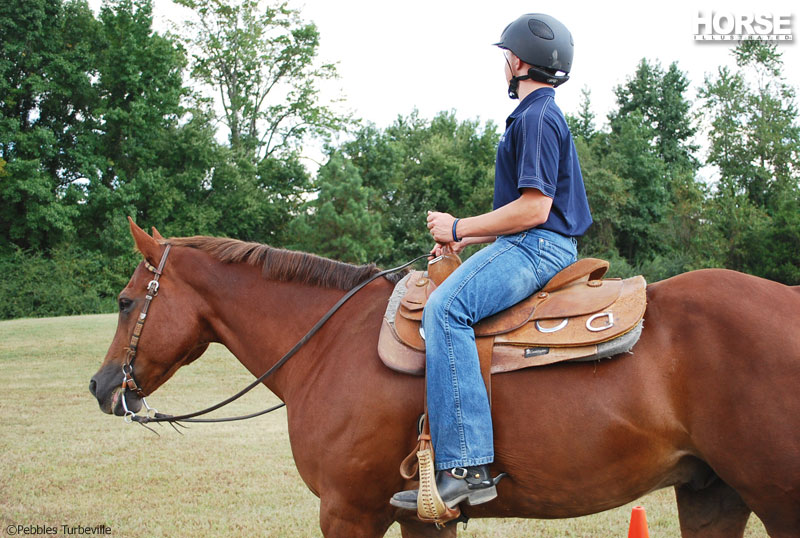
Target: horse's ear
(157,236)
(148,246)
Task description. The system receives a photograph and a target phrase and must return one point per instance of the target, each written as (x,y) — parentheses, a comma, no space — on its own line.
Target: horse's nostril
(93,387)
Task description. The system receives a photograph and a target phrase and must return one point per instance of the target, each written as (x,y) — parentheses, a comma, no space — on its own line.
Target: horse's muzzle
(106,386)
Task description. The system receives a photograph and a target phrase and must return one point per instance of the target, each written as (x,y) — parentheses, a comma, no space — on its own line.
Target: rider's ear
(157,236)
(149,247)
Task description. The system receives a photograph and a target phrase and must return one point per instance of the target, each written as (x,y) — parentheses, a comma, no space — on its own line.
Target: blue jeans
(495,278)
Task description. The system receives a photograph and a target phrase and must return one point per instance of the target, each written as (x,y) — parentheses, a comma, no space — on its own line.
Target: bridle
(129,383)
(130,352)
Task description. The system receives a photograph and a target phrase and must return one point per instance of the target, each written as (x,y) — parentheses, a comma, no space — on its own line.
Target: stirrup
(430,506)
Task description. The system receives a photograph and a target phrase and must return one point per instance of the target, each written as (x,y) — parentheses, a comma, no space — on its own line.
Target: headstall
(128,382)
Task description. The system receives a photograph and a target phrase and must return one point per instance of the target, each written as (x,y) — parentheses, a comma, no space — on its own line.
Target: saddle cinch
(577,316)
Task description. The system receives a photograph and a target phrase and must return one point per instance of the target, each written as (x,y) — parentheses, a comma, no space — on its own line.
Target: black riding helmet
(543,42)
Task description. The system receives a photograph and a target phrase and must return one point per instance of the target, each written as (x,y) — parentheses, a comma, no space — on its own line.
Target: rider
(540,207)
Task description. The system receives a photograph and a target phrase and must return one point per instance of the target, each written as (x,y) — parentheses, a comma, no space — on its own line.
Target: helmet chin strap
(534,73)
(513,86)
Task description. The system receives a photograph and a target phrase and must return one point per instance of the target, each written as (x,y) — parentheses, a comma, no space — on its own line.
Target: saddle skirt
(576,316)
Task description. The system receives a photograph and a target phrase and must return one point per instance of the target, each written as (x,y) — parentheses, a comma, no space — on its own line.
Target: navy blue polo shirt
(537,151)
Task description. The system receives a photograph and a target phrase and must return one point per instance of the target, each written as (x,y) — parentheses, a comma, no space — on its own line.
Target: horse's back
(725,284)
(747,309)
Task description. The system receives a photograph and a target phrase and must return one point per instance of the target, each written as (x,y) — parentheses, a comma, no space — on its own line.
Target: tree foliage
(417,165)
(101,117)
(261,63)
(660,97)
(640,175)
(134,125)
(339,223)
(582,125)
(44,94)
(755,147)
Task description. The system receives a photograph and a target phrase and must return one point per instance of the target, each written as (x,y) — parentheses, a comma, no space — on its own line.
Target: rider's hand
(453,247)
(441,226)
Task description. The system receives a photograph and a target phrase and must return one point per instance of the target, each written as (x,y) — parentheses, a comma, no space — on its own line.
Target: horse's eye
(124,304)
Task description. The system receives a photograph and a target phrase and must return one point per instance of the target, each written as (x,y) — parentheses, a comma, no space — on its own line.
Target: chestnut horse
(709,401)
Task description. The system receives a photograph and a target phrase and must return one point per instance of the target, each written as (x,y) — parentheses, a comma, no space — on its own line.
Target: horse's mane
(284,265)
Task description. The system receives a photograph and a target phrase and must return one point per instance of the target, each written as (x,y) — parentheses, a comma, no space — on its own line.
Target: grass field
(66,463)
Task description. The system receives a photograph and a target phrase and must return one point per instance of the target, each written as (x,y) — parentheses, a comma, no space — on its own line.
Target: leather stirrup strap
(409,466)
(485,346)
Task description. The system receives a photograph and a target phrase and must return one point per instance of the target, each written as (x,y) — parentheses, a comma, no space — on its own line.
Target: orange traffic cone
(638,528)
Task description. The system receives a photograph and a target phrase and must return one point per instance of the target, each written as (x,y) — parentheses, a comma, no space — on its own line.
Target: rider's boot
(471,484)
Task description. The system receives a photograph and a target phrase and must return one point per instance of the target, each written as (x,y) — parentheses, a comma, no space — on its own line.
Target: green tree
(338,223)
(130,159)
(776,253)
(261,62)
(755,147)
(609,195)
(46,54)
(660,97)
(630,155)
(650,145)
(417,165)
(256,202)
(755,138)
(93,127)
(582,125)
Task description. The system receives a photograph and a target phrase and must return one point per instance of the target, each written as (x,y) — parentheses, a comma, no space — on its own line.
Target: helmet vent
(540,29)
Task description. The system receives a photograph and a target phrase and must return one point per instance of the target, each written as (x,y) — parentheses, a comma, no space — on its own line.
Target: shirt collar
(539,93)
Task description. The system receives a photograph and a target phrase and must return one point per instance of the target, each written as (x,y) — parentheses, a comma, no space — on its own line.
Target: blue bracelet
(455,237)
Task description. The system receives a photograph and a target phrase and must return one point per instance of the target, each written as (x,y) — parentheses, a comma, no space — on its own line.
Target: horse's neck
(260,320)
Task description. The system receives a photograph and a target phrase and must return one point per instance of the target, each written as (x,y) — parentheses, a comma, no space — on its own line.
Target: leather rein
(129,383)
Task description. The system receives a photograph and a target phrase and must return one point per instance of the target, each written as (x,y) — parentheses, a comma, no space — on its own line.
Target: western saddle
(576,316)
